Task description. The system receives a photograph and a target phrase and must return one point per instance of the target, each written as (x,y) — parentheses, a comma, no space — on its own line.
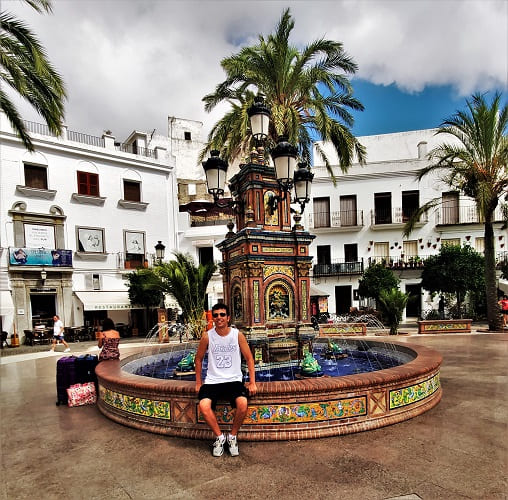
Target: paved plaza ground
(457,450)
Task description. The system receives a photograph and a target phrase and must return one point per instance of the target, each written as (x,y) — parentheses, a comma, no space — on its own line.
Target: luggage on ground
(65,377)
(85,369)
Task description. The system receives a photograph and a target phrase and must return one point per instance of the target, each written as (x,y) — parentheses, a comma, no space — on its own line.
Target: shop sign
(40,257)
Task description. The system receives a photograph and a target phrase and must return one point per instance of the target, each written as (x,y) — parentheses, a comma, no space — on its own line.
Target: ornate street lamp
(284,157)
(259,116)
(215,170)
(303,183)
(159,251)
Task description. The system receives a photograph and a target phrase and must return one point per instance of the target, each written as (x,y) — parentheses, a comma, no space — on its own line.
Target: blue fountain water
(360,359)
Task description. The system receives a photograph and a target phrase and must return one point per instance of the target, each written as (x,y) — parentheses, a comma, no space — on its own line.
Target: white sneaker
(218,446)
(233,446)
(68,349)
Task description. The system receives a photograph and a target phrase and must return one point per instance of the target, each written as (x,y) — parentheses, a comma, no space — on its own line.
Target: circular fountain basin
(286,410)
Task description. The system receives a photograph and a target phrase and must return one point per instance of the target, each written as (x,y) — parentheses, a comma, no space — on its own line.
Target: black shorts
(228,391)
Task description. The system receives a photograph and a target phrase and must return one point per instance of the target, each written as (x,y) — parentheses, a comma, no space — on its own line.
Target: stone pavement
(457,450)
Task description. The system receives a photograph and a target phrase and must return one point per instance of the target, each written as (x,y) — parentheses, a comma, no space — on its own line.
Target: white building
(76,216)
(360,220)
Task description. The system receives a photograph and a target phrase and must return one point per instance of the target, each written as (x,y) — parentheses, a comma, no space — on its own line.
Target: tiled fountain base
(299,409)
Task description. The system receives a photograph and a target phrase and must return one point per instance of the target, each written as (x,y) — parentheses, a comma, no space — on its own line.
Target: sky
(129,64)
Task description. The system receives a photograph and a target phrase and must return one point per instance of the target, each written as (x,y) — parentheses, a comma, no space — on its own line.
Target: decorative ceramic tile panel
(139,406)
(446,326)
(278,269)
(304,300)
(295,413)
(257,313)
(414,393)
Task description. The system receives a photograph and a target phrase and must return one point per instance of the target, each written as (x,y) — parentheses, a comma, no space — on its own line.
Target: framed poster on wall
(39,236)
(134,242)
(90,239)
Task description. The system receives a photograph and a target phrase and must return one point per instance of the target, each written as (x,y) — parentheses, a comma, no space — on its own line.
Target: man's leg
(205,406)
(53,344)
(240,413)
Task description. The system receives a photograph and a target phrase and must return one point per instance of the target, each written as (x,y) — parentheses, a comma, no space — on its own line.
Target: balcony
(338,267)
(396,217)
(399,262)
(456,215)
(348,220)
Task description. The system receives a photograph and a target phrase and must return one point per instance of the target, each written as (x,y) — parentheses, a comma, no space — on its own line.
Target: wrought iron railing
(338,267)
(394,216)
(344,218)
(38,128)
(467,214)
(136,150)
(91,140)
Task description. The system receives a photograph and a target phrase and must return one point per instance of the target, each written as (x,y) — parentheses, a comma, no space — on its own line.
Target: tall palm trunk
(493,316)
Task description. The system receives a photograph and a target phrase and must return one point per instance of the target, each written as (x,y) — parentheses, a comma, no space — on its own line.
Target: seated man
(224,376)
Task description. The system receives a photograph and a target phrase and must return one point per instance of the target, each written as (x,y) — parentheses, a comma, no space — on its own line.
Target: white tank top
(224,358)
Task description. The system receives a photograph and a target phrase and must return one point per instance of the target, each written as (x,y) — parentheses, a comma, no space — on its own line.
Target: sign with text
(39,236)
(40,257)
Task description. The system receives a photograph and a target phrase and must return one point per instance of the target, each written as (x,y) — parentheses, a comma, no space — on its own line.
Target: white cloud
(129,64)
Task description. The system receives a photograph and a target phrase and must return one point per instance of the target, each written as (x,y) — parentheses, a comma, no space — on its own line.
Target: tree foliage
(25,67)
(375,279)
(308,92)
(476,165)
(456,270)
(392,303)
(187,283)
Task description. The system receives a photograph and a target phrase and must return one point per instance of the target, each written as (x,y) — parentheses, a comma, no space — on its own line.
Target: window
(134,249)
(409,249)
(351,252)
(381,251)
(410,204)
(321,212)
(479,244)
(187,136)
(383,208)
(88,184)
(36,176)
(191,189)
(323,254)
(450,206)
(348,210)
(96,281)
(205,255)
(131,190)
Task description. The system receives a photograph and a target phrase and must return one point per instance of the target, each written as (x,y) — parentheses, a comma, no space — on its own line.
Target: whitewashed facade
(360,220)
(104,205)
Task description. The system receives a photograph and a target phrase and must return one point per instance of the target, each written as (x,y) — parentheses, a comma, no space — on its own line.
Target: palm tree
(187,283)
(308,92)
(26,68)
(477,166)
(392,303)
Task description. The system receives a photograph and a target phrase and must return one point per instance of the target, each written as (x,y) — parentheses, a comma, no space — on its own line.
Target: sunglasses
(216,315)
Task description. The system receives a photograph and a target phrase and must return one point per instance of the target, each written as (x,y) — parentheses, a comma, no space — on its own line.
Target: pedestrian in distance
(224,379)
(58,334)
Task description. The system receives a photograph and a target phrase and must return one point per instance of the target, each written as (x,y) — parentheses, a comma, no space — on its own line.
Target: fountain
(266,281)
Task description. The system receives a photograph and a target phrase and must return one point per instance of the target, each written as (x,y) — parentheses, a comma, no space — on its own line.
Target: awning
(503,286)
(316,292)
(6,304)
(105,301)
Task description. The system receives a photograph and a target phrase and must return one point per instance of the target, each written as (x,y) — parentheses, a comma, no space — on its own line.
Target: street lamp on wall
(160,250)
(44,275)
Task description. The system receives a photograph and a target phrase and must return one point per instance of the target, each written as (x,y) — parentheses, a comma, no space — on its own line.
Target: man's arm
(198,361)
(244,348)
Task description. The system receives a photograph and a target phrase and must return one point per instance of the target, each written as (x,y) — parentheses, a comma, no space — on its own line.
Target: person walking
(108,340)
(224,377)
(58,334)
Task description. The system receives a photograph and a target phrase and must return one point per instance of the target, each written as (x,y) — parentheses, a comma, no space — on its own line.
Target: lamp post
(284,156)
(160,250)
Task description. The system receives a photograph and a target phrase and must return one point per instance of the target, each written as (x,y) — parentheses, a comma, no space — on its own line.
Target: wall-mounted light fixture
(44,274)
(160,251)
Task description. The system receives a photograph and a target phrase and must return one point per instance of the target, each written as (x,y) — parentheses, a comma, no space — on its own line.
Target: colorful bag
(82,394)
